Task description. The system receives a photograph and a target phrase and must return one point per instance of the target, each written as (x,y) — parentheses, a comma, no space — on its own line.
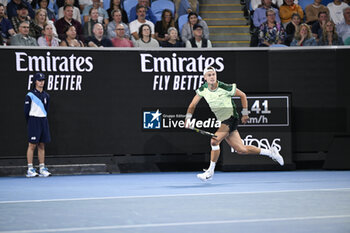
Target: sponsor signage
(64,73)
(121,102)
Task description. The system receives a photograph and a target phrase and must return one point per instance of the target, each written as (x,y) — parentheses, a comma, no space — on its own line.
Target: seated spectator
(173,40)
(102,13)
(40,19)
(136,24)
(85,3)
(66,21)
(70,37)
(115,5)
(187,29)
(43,4)
(2,42)
(76,11)
(329,35)
(89,26)
(287,10)
(22,15)
(149,14)
(4,3)
(271,32)
(343,29)
(23,38)
(291,28)
(163,25)
(184,7)
(61,3)
(255,4)
(117,19)
(303,37)
(198,41)
(98,40)
(317,27)
(336,11)
(5,26)
(120,40)
(48,38)
(312,11)
(12,8)
(145,40)
(259,16)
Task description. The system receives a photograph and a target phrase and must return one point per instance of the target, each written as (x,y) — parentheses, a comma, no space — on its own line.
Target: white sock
(212,166)
(42,165)
(265,152)
(30,165)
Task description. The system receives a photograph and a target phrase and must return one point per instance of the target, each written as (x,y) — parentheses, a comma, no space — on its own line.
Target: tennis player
(35,110)
(219,97)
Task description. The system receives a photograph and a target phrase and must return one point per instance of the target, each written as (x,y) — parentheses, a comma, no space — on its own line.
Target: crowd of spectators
(78,23)
(86,23)
(288,24)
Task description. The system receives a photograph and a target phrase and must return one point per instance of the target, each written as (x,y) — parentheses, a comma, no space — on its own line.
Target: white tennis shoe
(207,175)
(31,172)
(275,155)
(44,172)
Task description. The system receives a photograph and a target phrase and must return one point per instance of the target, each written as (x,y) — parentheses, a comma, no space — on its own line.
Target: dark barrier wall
(101,100)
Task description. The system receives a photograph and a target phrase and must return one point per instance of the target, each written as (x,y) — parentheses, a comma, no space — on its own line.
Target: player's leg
(44,138)
(43,171)
(221,133)
(235,141)
(41,153)
(33,140)
(30,155)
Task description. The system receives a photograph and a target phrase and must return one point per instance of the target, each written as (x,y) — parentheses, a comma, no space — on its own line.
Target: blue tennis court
(293,201)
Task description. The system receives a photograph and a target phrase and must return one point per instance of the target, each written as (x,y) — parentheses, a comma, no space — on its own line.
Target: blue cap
(39,76)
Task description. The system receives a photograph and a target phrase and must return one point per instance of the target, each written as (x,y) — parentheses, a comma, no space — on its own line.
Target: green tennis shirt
(220,100)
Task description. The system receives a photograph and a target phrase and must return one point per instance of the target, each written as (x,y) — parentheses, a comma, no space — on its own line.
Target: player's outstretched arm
(191,108)
(244,101)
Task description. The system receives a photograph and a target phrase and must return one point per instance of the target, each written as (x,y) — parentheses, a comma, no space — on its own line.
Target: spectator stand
(128,5)
(106,4)
(158,6)
(304,3)
(326,2)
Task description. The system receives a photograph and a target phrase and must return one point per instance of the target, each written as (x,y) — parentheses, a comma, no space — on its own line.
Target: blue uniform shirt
(36,104)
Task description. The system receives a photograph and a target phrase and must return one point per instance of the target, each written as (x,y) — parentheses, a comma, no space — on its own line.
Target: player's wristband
(188,116)
(245,112)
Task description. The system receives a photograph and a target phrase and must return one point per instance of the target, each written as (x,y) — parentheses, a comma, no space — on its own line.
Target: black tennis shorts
(232,123)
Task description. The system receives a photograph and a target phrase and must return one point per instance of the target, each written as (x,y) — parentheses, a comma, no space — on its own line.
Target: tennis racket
(203,132)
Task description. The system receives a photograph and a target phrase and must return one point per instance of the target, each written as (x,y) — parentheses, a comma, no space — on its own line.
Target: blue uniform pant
(38,130)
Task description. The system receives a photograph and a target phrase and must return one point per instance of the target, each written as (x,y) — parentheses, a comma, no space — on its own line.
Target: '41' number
(256,107)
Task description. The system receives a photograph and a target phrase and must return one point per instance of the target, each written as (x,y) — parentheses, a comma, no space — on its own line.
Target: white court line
(172,195)
(180,224)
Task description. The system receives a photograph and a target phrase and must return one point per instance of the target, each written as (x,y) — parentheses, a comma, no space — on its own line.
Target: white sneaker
(31,173)
(276,156)
(44,172)
(207,175)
